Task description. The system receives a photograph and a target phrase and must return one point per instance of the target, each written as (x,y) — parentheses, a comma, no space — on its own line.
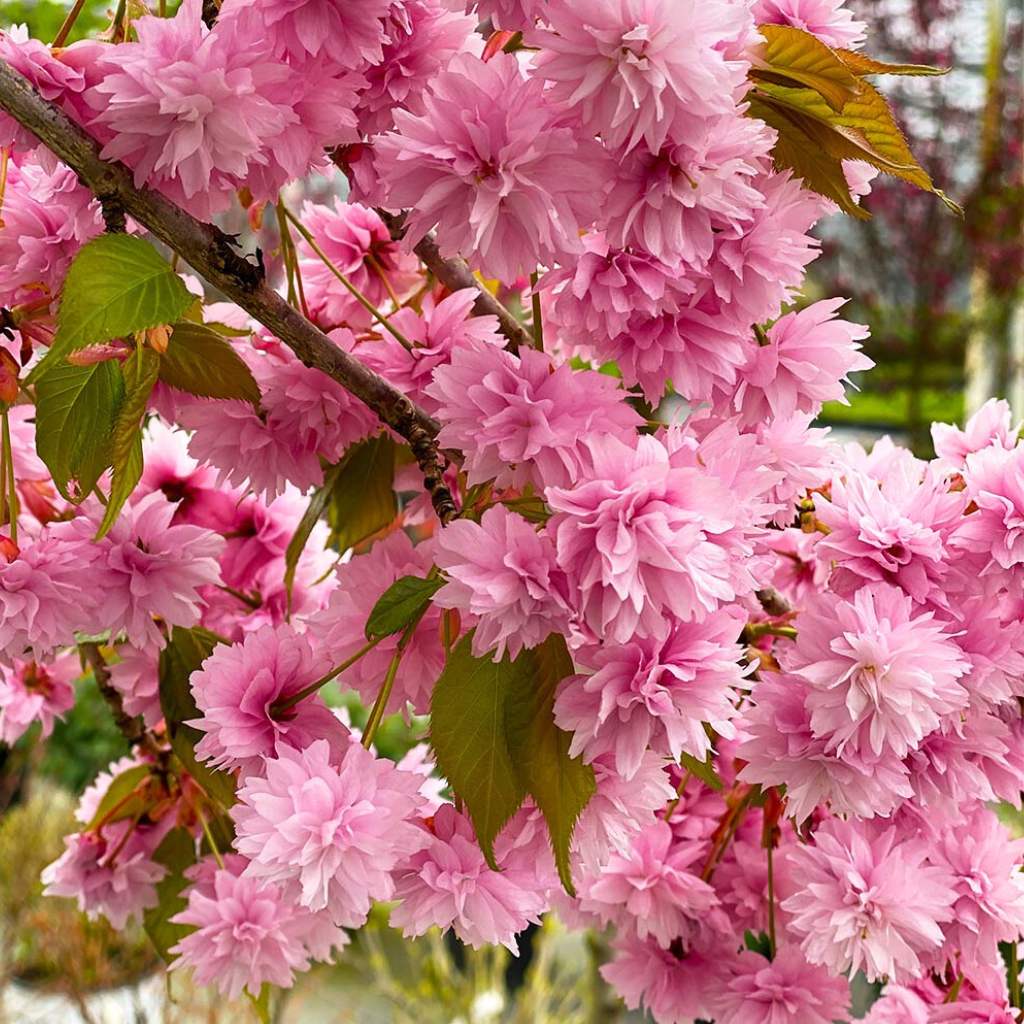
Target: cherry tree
(706,678)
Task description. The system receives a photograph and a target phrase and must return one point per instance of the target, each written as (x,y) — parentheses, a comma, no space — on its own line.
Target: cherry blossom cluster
(797,666)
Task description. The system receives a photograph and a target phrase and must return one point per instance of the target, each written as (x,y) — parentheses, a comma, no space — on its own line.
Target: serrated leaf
(862,64)
(185,652)
(560,785)
(119,802)
(800,149)
(200,362)
(468,734)
(177,852)
(793,57)
(363,499)
(117,284)
(140,374)
(76,407)
(703,770)
(864,130)
(400,604)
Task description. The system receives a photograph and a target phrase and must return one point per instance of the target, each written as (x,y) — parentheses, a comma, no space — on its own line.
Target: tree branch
(133,729)
(455,275)
(211,253)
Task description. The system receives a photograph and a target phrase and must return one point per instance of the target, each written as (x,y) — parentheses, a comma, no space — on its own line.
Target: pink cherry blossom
(312,414)
(804,364)
(868,900)
(359,245)
(650,890)
(245,934)
(619,808)
(995,484)
(422,37)
(439,331)
(147,567)
(187,109)
(640,70)
(492,166)
(989,905)
(671,201)
(503,573)
(656,693)
(329,830)
(674,985)
(108,874)
(346,34)
(605,287)
(991,425)
(895,529)
(42,602)
(246,449)
(48,216)
(697,352)
(881,677)
(449,885)
(638,538)
(236,689)
(784,990)
(521,419)
(782,750)
(830,20)
(30,692)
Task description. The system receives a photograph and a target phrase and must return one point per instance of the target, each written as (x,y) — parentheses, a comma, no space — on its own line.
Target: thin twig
(132,728)
(454,274)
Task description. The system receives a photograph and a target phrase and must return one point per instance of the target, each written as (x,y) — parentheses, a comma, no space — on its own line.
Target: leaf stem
(69,23)
(771,896)
(278,707)
(1015,999)
(209,835)
(538,318)
(353,290)
(9,481)
(377,712)
(381,703)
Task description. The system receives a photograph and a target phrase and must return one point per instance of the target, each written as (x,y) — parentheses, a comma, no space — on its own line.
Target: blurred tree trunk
(994,360)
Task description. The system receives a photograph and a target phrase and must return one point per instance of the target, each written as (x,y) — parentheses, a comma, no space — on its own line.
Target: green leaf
(796,58)
(819,136)
(200,362)
(186,651)
(140,373)
(532,508)
(117,284)
(400,604)
(358,497)
(468,734)
(119,802)
(317,505)
(703,770)
(75,411)
(758,943)
(177,852)
(861,64)
(363,499)
(560,785)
